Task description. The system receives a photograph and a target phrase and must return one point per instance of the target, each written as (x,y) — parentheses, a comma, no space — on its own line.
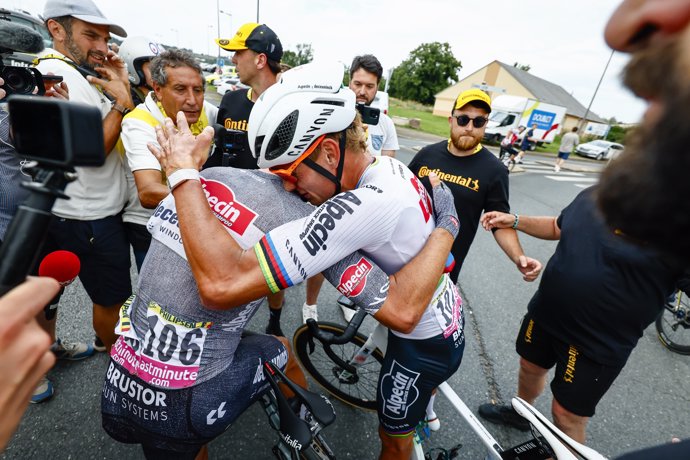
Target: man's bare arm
(150,187)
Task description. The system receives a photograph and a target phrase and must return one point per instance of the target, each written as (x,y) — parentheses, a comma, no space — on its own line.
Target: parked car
(214,78)
(381,101)
(600,150)
(230,84)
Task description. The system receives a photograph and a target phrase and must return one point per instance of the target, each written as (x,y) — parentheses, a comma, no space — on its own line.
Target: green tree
(303,55)
(430,68)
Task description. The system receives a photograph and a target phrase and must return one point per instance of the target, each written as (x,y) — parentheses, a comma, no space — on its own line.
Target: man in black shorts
(596,278)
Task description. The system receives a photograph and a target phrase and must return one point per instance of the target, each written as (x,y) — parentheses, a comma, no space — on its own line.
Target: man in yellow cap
(257,54)
(257,60)
(479,181)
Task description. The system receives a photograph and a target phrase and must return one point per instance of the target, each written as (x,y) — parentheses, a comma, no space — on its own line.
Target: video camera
(20,80)
(230,143)
(57,136)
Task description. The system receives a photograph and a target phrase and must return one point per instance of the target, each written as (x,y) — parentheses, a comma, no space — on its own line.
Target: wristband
(182,175)
(517,221)
(120,108)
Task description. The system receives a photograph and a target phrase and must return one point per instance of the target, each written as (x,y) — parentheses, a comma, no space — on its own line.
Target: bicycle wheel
(358,390)
(673,325)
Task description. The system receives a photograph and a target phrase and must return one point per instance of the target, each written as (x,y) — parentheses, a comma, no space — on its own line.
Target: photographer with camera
(89,224)
(178,85)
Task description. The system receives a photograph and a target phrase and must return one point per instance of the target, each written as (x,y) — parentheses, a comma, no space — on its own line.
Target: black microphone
(19,38)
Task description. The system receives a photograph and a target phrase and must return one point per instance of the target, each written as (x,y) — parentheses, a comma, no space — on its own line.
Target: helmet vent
(282,136)
(328,102)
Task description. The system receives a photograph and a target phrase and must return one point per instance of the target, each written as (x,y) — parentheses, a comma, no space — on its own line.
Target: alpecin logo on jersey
(316,234)
(398,391)
(354,278)
(234,215)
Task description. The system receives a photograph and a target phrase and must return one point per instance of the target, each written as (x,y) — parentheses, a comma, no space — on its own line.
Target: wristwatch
(120,108)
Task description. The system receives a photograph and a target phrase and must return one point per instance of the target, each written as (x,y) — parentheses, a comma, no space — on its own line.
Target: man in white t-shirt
(178,84)
(89,223)
(365,74)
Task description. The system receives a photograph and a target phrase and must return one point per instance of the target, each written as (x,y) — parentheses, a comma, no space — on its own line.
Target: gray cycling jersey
(170,340)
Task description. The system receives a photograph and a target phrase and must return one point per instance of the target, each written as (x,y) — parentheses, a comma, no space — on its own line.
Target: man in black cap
(257,59)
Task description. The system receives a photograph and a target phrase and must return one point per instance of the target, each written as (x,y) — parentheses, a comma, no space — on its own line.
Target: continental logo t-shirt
(233,113)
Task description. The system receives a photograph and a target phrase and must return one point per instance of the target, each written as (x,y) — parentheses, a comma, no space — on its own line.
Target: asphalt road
(647,405)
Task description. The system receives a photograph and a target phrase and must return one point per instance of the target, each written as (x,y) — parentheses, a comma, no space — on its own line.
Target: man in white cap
(89,224)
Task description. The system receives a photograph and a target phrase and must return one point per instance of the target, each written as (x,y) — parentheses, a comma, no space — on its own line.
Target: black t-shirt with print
(479,182)
(233,113)
(599,291)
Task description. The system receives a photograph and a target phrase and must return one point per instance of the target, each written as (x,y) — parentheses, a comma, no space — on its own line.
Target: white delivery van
(508,112)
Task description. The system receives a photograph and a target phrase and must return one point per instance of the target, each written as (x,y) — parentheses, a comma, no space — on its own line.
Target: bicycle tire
(361,390)
(674,331)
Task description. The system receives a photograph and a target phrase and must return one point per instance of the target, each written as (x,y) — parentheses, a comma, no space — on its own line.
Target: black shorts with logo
(579,382)
(181,421)
(411,370)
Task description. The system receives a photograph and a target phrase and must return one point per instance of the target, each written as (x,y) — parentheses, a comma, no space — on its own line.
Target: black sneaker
(503,415)
(98,344)
(273,328)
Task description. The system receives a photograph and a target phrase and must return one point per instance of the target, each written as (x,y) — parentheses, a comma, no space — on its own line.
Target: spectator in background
(137,53)
(178,84)
(526,140)
(257,56)
(476,178)
(568,142)
(365,75)
(89,224)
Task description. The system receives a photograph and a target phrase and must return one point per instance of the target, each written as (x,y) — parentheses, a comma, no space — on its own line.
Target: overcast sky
(561,41)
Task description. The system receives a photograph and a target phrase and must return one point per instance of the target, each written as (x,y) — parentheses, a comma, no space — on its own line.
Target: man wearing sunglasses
(307,130)
(476,177)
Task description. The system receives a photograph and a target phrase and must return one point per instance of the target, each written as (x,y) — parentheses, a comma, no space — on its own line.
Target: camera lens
(18,80)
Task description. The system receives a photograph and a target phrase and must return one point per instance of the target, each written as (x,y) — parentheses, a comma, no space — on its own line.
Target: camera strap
(84,72)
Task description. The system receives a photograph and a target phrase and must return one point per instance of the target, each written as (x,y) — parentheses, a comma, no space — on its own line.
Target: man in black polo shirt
(475,176)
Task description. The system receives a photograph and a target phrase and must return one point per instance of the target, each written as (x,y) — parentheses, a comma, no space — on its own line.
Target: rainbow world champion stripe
(271,266)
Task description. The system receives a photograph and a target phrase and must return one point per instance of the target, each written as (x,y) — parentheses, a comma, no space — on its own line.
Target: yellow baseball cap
(255,37)
(472,95)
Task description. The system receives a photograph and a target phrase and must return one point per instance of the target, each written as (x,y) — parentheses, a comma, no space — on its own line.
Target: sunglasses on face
(478,122)
(286,174)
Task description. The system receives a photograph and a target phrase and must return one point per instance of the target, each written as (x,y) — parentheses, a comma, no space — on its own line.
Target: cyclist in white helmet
(306,130)
(137,53)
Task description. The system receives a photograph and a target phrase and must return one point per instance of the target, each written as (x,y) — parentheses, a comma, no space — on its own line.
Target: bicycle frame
(558,442)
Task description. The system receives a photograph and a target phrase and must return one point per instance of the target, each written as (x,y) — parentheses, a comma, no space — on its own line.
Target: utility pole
(257,11)
(583,122)
(218,30)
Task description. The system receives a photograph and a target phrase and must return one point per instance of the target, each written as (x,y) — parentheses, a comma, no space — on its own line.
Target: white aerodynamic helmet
(135,51)
(307,102)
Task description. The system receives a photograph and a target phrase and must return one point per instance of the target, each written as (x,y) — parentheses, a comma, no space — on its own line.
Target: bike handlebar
(332,339)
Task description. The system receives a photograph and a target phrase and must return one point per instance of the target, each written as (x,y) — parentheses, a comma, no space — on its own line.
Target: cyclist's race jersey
(388,217)
(168,338)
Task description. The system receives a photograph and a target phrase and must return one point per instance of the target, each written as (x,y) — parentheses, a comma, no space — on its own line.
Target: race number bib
(170,353)
(447,307)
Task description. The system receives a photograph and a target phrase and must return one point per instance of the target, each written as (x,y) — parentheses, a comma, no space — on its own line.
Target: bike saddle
(320,407)
(560,443)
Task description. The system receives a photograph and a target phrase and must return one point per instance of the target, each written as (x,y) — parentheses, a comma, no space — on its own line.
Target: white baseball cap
(84,10)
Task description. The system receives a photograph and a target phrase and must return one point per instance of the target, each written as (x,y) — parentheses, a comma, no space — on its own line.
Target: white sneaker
(348,313)
(557,169)
(309,311)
